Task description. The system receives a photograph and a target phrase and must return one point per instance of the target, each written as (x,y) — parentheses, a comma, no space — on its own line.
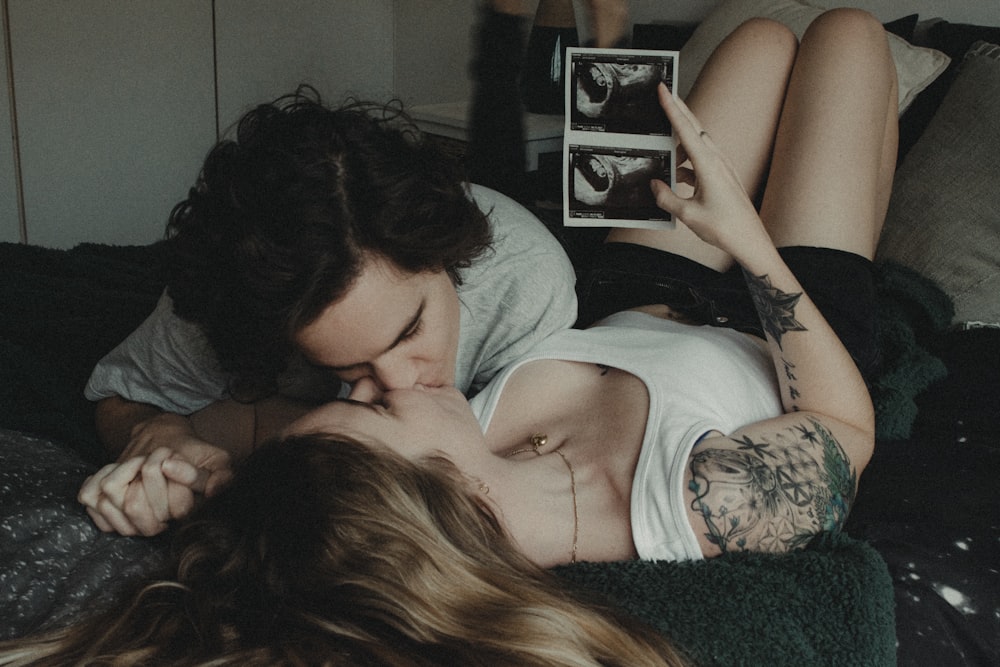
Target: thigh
(737,98)
(836,141)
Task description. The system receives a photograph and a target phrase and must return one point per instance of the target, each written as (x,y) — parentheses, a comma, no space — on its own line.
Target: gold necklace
(538,440)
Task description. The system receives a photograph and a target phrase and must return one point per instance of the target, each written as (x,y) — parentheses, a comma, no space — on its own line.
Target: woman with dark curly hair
(318,245)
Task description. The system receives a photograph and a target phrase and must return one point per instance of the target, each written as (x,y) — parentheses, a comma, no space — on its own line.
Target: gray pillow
(944,214)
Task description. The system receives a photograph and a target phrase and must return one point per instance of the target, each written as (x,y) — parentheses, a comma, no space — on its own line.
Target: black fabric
(954,39)
(662,36)
(60,312)
(930,504)
(840,283)
(903,26)
(496,154)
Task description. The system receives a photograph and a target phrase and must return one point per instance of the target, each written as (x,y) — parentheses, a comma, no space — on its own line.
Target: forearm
(234,427)
(128,428)
(815,372)
(274,414)
(239,427)
(162,465)
(116,418)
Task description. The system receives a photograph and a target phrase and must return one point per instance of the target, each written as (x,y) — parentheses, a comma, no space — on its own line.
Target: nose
(366,390)
(395,373)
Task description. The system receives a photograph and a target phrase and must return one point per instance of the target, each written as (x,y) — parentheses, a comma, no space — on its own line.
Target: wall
(117,101)
(267,47)
(983,12)
(433,37)
(114,108)
(9,222)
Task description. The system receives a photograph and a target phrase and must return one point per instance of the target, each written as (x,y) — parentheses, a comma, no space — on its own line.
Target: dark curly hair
(283,217)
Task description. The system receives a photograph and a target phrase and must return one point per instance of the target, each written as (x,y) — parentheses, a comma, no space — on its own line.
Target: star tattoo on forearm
(775,308)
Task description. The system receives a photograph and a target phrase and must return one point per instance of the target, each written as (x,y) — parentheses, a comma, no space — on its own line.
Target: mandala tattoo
(775,495)
(775,308)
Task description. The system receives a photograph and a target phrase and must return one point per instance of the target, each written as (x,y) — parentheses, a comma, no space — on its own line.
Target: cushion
(916,67)
(944,214)
(953,40)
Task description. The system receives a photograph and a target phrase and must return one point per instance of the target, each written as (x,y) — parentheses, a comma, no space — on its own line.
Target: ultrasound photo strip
(616,137)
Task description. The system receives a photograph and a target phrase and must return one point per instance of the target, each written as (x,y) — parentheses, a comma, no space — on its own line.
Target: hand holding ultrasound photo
(617,137)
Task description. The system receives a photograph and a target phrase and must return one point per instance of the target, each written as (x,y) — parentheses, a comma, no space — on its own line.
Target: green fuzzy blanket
(62,310)
(830,604)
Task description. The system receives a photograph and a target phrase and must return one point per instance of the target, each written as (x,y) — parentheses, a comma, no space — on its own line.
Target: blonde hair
(325,552)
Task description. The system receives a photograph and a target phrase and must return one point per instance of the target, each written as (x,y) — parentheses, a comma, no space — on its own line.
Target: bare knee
(768,39)
(852,30)
(844,20)
(767,29)
(852,35)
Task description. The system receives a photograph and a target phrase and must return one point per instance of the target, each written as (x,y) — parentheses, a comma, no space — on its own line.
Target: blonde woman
(327,552)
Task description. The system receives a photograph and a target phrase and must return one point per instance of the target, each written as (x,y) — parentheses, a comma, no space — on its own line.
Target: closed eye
(377,407)
(416,328)
(350,372)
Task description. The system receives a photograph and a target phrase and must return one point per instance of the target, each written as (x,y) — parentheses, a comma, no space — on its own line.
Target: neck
(535,501)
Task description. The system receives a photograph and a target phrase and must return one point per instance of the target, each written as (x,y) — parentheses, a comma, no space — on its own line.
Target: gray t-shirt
(515,295)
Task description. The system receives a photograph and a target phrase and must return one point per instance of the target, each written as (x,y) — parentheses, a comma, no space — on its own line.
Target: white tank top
(699,379)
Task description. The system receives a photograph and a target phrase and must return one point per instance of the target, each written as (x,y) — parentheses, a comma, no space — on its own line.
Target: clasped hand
(159,477)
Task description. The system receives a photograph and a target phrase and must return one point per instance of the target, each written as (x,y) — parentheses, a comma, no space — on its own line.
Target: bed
(915,578)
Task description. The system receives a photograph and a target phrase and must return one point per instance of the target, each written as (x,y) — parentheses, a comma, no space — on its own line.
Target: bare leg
(738,99)
(835,149)
(609,23)
(513,7)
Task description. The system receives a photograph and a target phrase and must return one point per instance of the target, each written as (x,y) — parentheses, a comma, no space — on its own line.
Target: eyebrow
(399,339)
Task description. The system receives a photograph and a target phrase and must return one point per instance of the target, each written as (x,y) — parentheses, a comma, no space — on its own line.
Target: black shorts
(841,284)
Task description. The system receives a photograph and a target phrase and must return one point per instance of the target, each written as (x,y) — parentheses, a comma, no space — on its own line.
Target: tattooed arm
(771,485)
(815,371)
(774,485)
